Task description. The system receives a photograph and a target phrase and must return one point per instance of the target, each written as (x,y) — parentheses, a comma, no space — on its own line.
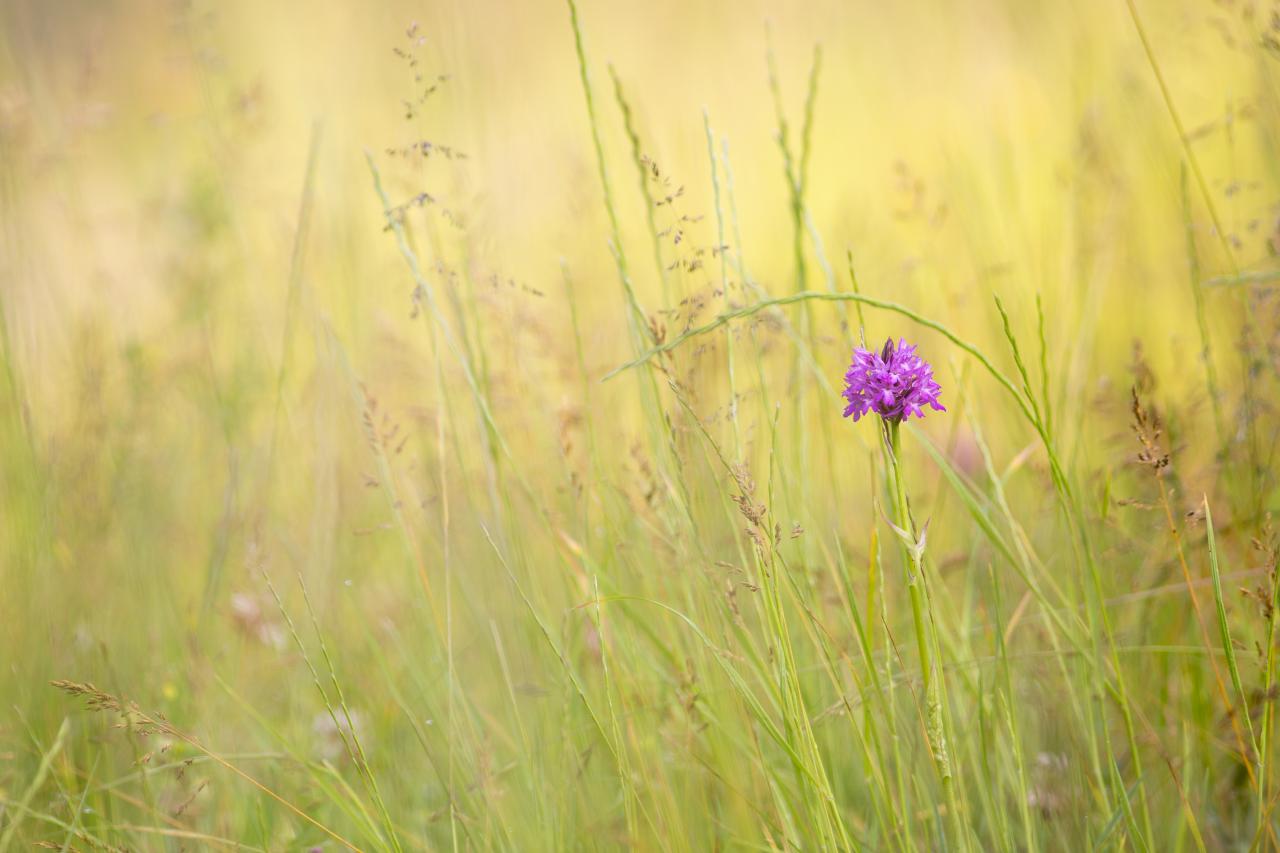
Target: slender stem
(1268,710)
(1202,322)
(639,325)
(934,728)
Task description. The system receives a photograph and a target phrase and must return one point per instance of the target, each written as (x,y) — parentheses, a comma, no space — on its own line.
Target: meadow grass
(475,478)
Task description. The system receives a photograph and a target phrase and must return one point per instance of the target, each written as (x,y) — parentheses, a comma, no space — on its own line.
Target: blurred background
(220,372)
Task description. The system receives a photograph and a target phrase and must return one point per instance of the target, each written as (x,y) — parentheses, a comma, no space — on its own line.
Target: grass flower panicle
(522,467)
(895,383)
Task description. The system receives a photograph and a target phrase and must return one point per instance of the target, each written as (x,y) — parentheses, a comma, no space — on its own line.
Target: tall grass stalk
(552,607)
(1241,709)
(1202,322)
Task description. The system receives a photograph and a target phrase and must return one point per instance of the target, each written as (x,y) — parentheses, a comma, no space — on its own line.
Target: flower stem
(934,727)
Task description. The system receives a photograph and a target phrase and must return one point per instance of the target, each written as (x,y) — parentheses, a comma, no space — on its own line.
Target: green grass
(414,483)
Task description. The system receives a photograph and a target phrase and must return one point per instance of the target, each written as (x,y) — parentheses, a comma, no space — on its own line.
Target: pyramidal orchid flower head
(895,383)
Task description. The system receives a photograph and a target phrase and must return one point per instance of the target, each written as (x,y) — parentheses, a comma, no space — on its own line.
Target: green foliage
(377,500)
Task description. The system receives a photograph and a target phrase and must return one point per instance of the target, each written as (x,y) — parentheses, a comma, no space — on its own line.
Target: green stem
(934,728)
(1268,710)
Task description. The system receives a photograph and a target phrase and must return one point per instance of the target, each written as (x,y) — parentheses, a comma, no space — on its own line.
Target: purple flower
(895,383)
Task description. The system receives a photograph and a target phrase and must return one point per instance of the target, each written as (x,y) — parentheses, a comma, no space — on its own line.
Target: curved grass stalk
(888,305)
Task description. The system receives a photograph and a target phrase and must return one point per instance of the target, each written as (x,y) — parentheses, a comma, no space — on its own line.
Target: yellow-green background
(185,380)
